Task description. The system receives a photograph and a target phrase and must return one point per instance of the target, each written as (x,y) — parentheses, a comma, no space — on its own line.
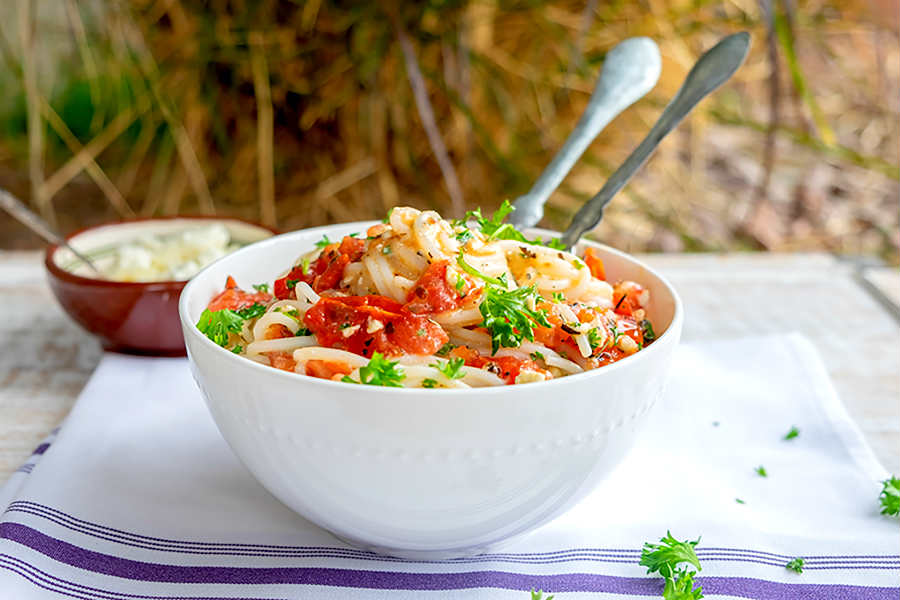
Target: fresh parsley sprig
(217,325)
(664,558)
(379,371)
(890,497)
(795,565)
(495,229)
(450,369)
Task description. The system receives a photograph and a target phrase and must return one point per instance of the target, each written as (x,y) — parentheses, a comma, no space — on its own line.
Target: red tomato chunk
(325,272)
(235,298)
(367,324)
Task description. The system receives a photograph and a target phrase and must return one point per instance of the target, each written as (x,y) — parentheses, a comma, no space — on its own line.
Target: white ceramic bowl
(424,473)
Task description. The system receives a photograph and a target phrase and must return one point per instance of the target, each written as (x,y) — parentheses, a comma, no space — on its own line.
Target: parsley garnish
(252,311)
(429,383)
(387,217)
(664,558)
(463,236)
(261,287)
(890,497)
(795,565)
(386,250)
(647,330)
(536,356)
(445,349)
(379,371)
(505,312)
(495,229)
(304,267)
(794,432)
(217,325)
(237,349)
(558,297)
(539,595)
(594,338)
(578,264)
(323,242)
(450,369)
(302,332)
(739,501)
(507,316)
(761,471)
(291,283)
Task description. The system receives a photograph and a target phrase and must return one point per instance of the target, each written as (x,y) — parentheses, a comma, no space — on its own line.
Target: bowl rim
(69,277)
(673,330)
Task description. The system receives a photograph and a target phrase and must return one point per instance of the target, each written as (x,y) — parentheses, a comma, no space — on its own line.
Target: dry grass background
(303,113)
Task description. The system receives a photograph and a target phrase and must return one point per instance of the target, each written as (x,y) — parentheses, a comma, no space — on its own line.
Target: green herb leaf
(291,283)
(261,287)
(386,250)
(795,564)
(794,432)
(558,297)
(445,349)
(461,261)
(218,325)
(508,318)
(303,331)
(429,383)
(647,330)
(379,371)
(387,217)
(594,338)
(680,586)
(761,471)
(665,557)
(539,595)
(739,501)
(536,356)
(463,236)
(451,368)
(304,267)
(237,349)
(252,311)
(890,497)
(495,229)
(323,242)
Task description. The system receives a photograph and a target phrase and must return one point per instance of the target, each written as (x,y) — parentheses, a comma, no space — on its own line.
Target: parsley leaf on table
(794,432)
(217,325)
(761,471)
(890,497)
(795,564)
(379,371)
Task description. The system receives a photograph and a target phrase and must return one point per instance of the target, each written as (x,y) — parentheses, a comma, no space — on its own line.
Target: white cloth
(138,496)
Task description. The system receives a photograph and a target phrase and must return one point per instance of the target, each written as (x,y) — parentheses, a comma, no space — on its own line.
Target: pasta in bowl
(419,301)
(393,462)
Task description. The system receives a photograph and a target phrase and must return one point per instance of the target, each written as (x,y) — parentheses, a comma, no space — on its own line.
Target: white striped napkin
(138,497)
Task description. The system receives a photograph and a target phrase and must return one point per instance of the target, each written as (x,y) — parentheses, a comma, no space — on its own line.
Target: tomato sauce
(432,294)
(234,298)
(506,368)
(368,324)
(325,272)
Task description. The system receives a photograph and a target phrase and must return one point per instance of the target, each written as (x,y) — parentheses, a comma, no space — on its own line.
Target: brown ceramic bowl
(137,318)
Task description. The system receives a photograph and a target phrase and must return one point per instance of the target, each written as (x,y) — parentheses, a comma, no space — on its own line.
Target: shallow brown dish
(132,317)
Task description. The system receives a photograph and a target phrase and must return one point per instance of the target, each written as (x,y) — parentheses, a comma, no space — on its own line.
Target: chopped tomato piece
(628,297)
(234,298)
(367,324)
(325,272)
(327,369)
(282,360)
(432,294)
(506,368)
(276,331)
(594,263)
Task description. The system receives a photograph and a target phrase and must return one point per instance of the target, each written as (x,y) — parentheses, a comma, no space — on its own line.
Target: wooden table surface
(849,311)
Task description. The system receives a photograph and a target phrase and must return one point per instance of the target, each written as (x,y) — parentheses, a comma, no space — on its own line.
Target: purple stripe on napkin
(369,579)
(570,555)
(45,581)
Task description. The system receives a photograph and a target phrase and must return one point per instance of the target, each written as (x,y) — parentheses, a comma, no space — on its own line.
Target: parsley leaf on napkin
(664,558)
(795,565)
(890,497)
